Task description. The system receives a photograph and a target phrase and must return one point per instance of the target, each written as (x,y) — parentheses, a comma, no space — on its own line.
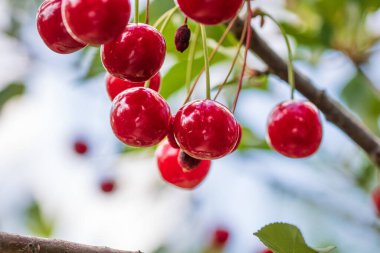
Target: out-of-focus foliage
(37,222)
(11,91)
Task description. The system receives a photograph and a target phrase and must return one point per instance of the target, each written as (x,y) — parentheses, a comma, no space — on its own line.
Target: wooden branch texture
(333,111)
(22,244)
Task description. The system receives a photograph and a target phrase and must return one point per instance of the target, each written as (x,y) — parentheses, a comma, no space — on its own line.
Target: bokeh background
(48,102)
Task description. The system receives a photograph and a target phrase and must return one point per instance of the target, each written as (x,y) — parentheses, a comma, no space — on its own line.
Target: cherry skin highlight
(136,55)
(206,129)
(295,129)
(210,12)
(96,22)
(171,171)
(140,117)
(52,30)
(376,200)
(116,85)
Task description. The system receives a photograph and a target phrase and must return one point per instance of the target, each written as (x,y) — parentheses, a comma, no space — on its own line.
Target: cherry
(116,85)
(136,55)
(182,38)
(187,162)
(376,200)
(295,129)
(206,130)
(108,185)
(96,22)
(140,117)
(239,138)
(171,138)
(80,147)
(221,237)
(173,173)
(52,31)
(267,251)
(210,12)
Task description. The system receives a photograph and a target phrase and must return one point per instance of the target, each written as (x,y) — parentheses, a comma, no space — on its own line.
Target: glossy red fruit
(221,236)
(187,162)
(239,139)
(210,12)
(376,200)
(267,251)
(80,147)
(52,31)
(295,129)
(140,117)
(96,22)
(108,185)
(136,55)
(171,138)
(172,172)
(116,85)
(206,129)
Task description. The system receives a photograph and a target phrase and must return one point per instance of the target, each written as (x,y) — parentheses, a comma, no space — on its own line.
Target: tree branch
(23,244)
(333,111)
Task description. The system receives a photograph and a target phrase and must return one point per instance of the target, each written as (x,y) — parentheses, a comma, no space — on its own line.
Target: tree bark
(22,244)
(333,111)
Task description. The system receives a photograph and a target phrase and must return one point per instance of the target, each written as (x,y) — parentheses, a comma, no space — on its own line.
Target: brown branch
(333,111)
(22,244)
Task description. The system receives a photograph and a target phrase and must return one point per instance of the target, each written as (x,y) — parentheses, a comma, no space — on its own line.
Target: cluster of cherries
(132,54)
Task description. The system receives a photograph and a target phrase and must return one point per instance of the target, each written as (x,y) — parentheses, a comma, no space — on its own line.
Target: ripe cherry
(210,12)
(221,236)
(116,85)
(140,117)
(376,200)
(187,162)
(96,22)
(171,171)
(239,138)
(206,129)
(171,138)
(295,129)
(136,55)
(52,31)
(108,185)
(267,251)
(80,147)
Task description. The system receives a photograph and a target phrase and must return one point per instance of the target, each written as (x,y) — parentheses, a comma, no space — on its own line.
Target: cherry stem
(167,19)
(290,54)
(221,40)
(240,45)
(147,12)
(247,46)
(191,57)
(164,16)
(136,11)
(207,65)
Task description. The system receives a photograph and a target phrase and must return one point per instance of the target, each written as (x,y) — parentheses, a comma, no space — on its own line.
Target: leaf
(249,140)
(95,64)
(286,238)
(9,92)
(36,222)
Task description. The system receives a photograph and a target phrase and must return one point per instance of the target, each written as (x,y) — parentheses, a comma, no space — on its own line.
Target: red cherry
(116,85)
(136,55)
(80,147)
(140,117)
(108,185)
(171,171)
(210,12)
(239,139)
(221,236)
(52,31)
(295,129)
(376,200)
(206,129)
(171,138)
(267,251)
(96,22)
(187,162)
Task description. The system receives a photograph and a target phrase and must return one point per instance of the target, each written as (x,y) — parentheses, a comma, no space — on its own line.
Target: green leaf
(249,140)
(96,67)
(9,92)
(36,222)
(286,238)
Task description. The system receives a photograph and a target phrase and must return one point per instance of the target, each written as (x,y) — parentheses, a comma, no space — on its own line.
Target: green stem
(147,12)
(191,57)
(290,54)
(163,16)
(207,66)
(168,18)
(136,11)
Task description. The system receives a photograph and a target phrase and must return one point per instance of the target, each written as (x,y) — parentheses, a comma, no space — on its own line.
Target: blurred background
(64,175)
